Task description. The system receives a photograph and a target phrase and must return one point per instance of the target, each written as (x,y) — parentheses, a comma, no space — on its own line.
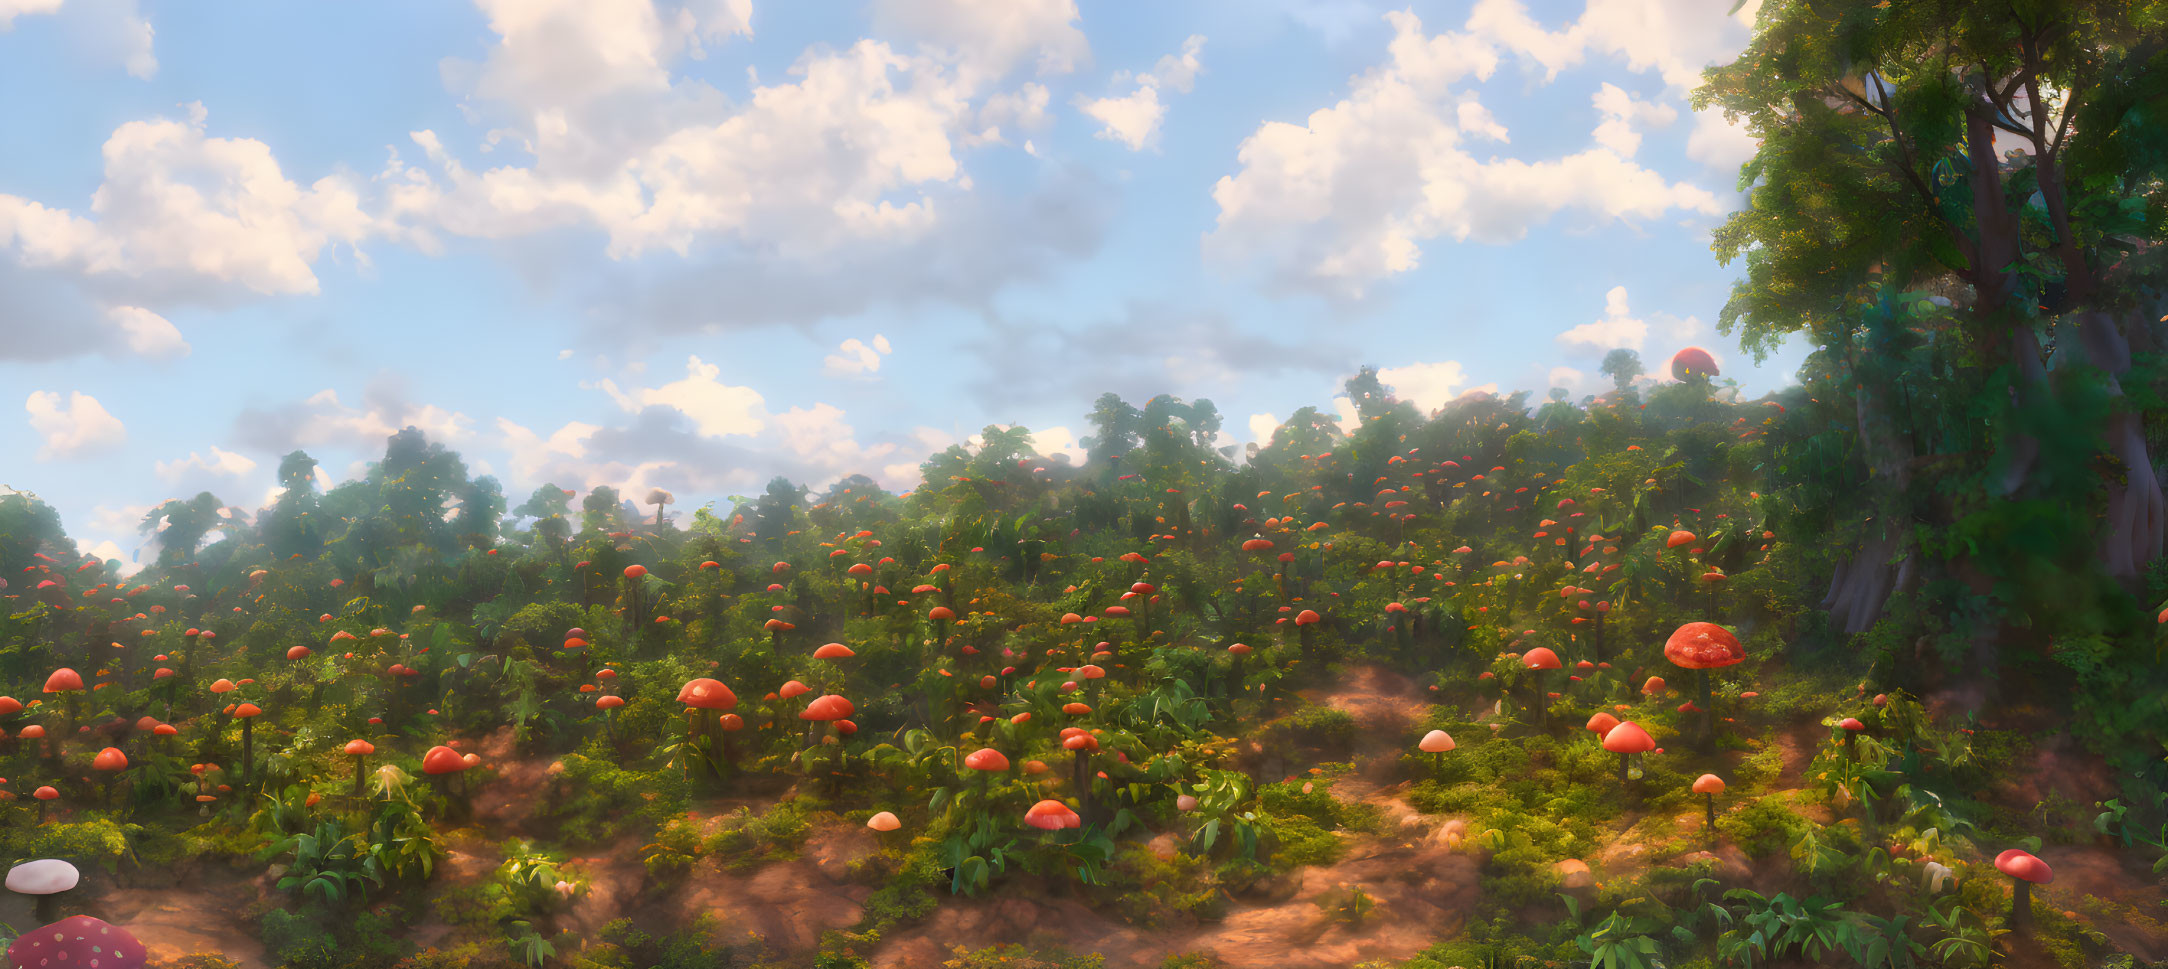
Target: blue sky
(696,243)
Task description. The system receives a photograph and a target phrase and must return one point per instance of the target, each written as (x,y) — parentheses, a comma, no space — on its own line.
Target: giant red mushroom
(359,750)
(1626,740)
(2025,871)
(825,709)
(67,683)
(1537,660)
(1051,815)
(1693,362)
(440,762)
(1436,743)
(1709,786)
(986,761)
(1701,647)
(700,694)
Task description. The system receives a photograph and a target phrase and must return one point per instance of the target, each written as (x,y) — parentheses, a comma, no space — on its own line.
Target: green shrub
(1764,827)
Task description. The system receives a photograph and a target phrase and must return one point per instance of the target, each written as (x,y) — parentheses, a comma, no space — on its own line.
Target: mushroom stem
(1711,808)
(1622,769)
(1536,677)
(2020,906)
(1708,712)
(48,908)
(248,750)
(361,764)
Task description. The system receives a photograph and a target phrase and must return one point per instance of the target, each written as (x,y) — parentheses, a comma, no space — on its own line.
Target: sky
(694,244)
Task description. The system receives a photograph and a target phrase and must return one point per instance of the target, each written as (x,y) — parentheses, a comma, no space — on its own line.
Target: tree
(775,515)
(1115,427)
(1979,311)
(292,525)
(481,503)
(1368,394)
(180,526)
(599,511)
(548,506)
(1622,366)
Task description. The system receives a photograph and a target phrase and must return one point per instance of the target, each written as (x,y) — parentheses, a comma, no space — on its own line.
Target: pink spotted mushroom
(80,942)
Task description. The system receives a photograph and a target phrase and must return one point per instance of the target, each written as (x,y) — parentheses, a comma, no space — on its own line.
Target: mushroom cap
(1051,815)
(63,680)
(707,694)
(609,701)
(1678,538)
(45,793)
(1852,724)
(1703,646)
(2015,863)
(1628,738)
(1601,723)
(223,685)
(792,690)
(1652,686)
(45,876)
(1540,658)
(986,759)
(1691,361)
(833,651)
(443,760)
(1708,784)
(247,710)
(359,748)
(110,759)
(830,707)
(1436,742)
(1306,617)
(79,941)
(10,705)
(884,821)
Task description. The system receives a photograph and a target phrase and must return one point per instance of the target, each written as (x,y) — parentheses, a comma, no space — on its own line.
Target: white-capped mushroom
(45,878)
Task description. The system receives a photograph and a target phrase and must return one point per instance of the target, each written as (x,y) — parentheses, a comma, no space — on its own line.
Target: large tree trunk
(1861,587)
(2132,535)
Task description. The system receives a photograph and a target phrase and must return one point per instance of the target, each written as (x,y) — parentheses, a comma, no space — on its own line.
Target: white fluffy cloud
(11,9)
(1719,143)
(1429,385)
(324,420)
(1673,38)
(1349,196)
(699,433)
(1262,427)
(220,462)
(532,453)
(147,333)
(1623,114)
(181,210)
(856,358)
(1133,119)
(987,39)
(72,426)
(858,145)
(109,30)
(1619,327)
(716,408)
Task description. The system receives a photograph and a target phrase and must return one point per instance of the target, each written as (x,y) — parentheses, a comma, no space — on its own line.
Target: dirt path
(1421,884)
(200,910)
